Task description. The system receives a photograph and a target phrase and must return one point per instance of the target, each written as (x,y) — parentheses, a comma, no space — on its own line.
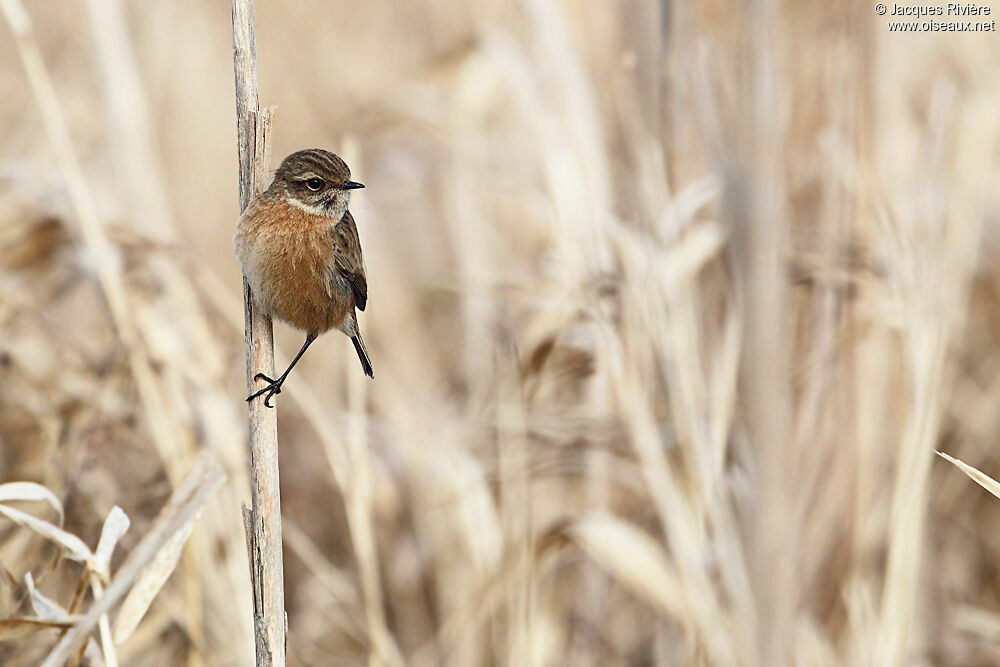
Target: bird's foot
(273,387)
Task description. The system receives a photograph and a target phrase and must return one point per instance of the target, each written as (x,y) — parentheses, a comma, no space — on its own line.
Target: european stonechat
(299,249)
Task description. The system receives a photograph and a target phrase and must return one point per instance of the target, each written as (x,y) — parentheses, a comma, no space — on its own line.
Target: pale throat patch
(340,202)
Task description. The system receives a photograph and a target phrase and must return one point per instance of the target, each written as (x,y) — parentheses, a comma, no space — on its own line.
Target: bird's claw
(272,389)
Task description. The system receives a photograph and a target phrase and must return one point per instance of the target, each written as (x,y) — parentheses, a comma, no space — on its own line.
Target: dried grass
(671,305)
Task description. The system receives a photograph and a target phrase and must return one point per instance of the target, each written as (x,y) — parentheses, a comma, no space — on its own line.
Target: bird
(299,249)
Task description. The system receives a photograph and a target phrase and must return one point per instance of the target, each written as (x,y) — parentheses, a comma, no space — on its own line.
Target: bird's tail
(366,363)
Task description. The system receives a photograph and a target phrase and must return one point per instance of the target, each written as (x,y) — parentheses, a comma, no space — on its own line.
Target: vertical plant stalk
(753,198)
(264,533)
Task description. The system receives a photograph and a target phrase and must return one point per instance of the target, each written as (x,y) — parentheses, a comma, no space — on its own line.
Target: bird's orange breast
(287,257)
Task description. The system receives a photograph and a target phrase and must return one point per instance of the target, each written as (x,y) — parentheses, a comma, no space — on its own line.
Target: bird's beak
(351,185)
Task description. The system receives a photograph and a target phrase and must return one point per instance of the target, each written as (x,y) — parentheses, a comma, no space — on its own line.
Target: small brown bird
(300,252)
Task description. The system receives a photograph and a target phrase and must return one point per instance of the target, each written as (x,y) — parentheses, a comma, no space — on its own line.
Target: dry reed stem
(755,207)
(267,569)
(350,468)
(516,501)
(104,627)
(129,113)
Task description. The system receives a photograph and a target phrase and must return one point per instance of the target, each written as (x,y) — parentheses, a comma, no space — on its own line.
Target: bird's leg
(274,386)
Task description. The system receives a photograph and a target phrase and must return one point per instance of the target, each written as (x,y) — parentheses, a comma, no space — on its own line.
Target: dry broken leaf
(149,584)
(114,527)
(979,477)
(12,628)
(44,607)
(30,491)
(72,546)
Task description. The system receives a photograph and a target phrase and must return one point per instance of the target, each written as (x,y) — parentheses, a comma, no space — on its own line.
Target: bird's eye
(314,184)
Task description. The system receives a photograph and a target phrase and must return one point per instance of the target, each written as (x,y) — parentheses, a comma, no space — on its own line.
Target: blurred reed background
(670,306)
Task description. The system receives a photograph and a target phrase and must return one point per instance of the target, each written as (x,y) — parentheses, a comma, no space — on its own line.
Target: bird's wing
(348,260)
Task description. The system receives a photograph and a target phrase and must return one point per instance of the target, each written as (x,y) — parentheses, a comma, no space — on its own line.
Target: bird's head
(316,181)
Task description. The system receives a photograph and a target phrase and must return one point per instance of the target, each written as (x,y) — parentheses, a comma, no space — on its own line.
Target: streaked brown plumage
(299,249)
